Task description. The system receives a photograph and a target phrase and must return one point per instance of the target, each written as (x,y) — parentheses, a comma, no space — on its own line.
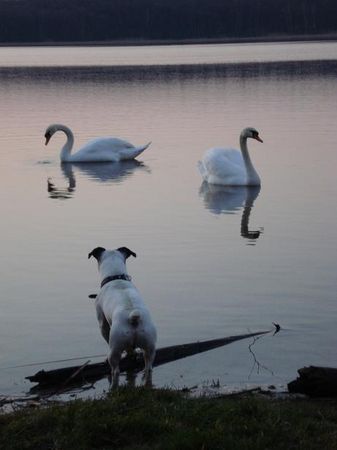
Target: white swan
(230,167)
(103,149)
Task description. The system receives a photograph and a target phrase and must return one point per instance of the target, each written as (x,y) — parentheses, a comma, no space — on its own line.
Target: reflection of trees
(78,20)
(229,200)
(102,172)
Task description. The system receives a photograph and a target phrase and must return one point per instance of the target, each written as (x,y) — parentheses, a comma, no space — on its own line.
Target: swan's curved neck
(66,149)
(253,178)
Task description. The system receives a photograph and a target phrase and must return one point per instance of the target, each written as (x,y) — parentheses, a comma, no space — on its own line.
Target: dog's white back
(124,320)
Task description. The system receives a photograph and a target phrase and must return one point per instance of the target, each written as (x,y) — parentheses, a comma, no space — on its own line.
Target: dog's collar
(115,277)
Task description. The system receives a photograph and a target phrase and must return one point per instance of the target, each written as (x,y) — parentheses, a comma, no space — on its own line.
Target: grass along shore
(140,418)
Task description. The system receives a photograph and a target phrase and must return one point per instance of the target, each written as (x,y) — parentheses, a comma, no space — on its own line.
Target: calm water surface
(202,270)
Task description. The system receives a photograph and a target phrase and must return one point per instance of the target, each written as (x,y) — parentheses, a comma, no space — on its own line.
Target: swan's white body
(230,167)
(104,149)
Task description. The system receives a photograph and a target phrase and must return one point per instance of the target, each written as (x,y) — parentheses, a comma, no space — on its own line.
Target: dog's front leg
(103,324)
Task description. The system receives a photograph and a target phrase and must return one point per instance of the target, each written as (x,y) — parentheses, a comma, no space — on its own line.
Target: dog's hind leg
(114,358)
(149,355)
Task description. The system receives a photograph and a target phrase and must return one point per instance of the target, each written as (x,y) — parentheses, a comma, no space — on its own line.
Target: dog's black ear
(126,252)
(96,253)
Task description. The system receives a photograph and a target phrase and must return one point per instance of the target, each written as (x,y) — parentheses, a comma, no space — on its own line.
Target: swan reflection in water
(115,172)
(229,200)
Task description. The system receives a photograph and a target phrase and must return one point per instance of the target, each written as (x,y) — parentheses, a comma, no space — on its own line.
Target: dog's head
(113,258)
(124,251)
(111,262)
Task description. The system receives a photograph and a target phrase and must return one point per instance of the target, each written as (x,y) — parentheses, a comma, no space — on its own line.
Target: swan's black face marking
(255,135)
(96,253)
(47,135)
(126,252)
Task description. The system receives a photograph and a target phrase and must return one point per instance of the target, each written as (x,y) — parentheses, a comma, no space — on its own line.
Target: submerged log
(93,372)
(315,382)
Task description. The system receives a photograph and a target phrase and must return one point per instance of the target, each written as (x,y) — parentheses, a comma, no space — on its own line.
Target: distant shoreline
(147,42)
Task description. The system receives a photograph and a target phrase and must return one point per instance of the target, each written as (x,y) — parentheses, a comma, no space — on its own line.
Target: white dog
(124,320)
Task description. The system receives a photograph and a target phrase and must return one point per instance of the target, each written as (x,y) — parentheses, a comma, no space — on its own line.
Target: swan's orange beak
(47,136)
(258,139)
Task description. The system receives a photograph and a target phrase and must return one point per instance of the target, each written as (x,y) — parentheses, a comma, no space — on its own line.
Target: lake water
(201,273)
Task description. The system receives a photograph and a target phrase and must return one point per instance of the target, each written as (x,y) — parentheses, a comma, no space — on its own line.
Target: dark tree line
(104,20)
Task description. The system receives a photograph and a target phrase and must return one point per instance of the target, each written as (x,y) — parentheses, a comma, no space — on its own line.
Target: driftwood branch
(4,400)
(91,372)
(315,382)
(256,362)
(69,380)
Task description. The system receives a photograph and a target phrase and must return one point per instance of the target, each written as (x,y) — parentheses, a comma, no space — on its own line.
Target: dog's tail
(134,317)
